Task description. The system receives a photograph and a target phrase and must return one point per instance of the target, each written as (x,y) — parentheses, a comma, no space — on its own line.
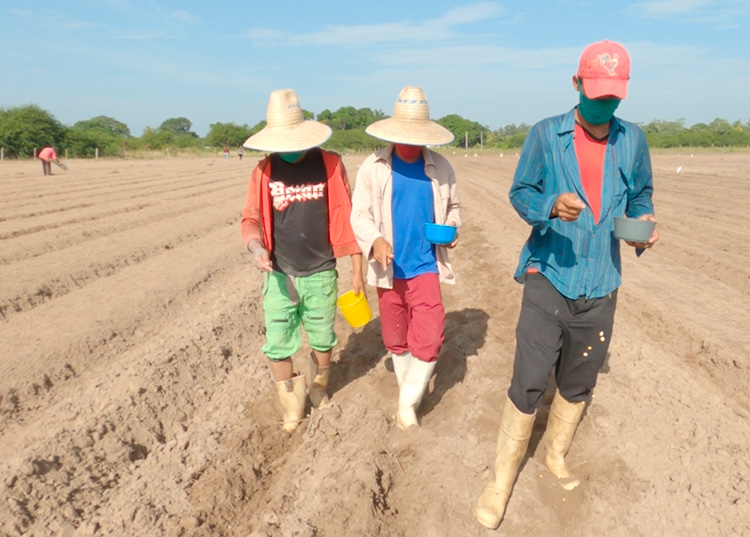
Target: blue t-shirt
(412,207)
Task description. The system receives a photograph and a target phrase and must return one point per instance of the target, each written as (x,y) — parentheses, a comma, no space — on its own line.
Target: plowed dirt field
(135,400)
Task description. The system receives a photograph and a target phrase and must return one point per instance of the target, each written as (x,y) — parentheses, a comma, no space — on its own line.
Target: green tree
(664,128)
(367,116)
(104,133)
(464,130)
(325,116)
(25,128)
(510,136)
(353,140)
(719,126)
(348,117)
(177,126)
(156,139)
(257,127)
(344,118)
(104,124)
(230,134)
(187,140)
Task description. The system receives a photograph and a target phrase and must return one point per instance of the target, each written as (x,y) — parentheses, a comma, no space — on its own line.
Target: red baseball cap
(604,69)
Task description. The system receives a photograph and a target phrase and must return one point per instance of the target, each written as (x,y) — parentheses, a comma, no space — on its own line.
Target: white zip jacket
(372,214)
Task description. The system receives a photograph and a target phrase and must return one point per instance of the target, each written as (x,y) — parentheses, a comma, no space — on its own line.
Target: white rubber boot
(561,427)
(318,384)
(292,394)
(512,441)
(400,365)
(415,382)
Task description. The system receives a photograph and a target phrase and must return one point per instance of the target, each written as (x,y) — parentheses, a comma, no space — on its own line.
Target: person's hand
(567,207)
(455,241)
(260,255)
(652,239)
(358,283)
(382,252)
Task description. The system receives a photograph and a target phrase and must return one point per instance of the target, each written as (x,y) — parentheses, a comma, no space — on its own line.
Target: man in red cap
(576,173)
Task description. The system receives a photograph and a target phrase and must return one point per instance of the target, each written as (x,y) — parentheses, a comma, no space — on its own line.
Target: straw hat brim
(401,131)
(300,137)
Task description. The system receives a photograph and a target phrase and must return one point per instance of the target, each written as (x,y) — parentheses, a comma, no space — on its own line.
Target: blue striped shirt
(580,258)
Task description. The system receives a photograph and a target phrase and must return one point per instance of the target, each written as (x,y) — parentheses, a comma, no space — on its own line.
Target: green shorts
(315,310)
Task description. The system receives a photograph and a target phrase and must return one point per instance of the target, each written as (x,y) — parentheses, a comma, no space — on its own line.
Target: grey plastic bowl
(632,229)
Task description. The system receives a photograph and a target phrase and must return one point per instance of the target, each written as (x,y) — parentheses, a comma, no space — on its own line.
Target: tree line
(26,128)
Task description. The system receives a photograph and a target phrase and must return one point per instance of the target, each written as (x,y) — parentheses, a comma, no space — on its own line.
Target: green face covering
(597,111)
(291,157)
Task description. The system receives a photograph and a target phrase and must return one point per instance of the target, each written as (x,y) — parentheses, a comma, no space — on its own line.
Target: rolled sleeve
(641,193)
(250,223)
(527,193)
(363,212)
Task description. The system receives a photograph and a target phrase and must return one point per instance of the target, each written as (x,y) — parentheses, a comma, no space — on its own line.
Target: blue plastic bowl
(439,233)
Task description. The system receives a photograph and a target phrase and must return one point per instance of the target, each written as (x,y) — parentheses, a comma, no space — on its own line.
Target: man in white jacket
(398,190)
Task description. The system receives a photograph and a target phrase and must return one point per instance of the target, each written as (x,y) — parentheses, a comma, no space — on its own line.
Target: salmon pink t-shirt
(590,153)
(47,154)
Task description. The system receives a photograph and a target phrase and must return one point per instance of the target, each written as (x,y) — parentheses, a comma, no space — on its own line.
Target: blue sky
(497,63)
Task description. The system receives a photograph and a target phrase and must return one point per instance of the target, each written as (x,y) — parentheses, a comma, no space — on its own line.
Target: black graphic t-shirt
(300,215)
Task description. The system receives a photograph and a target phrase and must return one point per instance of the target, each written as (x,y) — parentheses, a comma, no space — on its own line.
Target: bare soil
(135,400)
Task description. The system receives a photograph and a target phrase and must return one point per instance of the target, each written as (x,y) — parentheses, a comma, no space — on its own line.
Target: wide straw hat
(411,123)
(286,128)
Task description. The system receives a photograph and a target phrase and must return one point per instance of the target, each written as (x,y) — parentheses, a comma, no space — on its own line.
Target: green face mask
(291,157)
(597,111)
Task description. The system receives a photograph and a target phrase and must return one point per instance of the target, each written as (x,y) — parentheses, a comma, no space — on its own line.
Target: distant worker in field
(48,155)
(399,190)
(226,152)
(296,224)
(576,173)
(240,152)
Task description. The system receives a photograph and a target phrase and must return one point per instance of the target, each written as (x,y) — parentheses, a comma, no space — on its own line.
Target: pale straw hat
(286,128)
(410,123)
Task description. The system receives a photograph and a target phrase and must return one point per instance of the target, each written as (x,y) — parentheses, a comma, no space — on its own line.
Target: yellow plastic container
(355,308)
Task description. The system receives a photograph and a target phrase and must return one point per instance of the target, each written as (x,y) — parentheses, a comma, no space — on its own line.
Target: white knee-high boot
(318,384)
(292,394)
(512,441)
(400,365)
(416,378)
(561,427)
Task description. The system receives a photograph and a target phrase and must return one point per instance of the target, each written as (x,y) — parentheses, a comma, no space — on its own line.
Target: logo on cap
(609,62)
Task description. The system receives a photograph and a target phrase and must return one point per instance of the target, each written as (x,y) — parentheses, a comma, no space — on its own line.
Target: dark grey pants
(556,333)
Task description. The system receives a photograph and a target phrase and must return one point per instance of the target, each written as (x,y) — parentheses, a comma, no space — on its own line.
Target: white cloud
(26,13)
(471,55)
(470,13)
(72,24)
(184,17)
(669,8)
(712,12)
(141,36)
(432,30)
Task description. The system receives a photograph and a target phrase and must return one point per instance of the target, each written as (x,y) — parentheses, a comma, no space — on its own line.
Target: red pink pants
(412,316)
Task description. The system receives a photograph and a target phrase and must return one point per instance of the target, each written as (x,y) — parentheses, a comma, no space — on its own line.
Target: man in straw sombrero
(296,224)
(398,190)
(577,172)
